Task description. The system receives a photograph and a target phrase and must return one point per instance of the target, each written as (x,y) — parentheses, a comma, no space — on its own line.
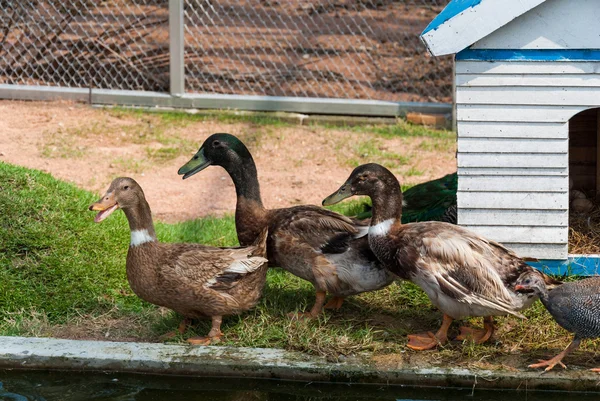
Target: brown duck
(310,242)
(194,280)
(462,273)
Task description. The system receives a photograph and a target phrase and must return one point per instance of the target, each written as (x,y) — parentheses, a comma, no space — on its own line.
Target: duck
(192,279)
(462,273)
(574,305)
(318,245)
(433,200)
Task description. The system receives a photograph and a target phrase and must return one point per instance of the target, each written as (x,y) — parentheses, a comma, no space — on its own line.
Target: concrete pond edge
(225,361)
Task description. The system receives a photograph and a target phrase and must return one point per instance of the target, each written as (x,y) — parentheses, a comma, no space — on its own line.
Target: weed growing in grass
(412,172)
(61,145)
(404,129)
(127,165)
(162,155)
(373,149)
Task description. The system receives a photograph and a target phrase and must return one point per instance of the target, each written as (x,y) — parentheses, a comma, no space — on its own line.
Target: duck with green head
(309,241)
(462,273)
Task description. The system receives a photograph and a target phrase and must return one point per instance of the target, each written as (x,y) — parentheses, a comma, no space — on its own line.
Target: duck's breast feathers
(466,267)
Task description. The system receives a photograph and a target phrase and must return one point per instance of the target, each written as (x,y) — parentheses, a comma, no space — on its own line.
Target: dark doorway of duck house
(584,186)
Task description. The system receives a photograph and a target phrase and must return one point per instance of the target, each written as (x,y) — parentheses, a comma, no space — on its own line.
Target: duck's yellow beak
(198,163)
(106,205)
(344,192)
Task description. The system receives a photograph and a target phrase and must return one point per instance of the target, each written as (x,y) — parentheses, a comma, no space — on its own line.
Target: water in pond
(69,386)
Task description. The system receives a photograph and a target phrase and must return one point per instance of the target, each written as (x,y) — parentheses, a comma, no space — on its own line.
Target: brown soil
(296,164)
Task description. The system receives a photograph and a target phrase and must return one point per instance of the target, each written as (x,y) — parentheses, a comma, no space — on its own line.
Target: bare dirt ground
(296,164)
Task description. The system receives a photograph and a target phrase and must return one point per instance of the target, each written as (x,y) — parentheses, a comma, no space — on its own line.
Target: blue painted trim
(453,8)
(576,265)
(529,55)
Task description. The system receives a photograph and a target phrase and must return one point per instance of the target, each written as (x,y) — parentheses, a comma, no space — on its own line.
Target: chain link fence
(356,49)
(348,49)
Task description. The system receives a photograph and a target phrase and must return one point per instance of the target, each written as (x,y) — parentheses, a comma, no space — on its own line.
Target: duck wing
(314,225)
(216,268)
(469,268)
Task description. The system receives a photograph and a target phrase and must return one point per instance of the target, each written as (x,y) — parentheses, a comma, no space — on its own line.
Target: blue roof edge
(528,55)
(453,8)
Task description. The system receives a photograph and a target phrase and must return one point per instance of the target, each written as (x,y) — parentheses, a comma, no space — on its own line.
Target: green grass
(404,129)
(182,118)
(373,149)
(63,275)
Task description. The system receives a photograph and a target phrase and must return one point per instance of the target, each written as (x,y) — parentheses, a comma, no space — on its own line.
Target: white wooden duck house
(527,78)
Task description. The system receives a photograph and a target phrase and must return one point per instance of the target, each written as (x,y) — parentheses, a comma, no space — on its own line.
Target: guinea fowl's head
(531,282)
(368,179)
(123,193)
(223,150)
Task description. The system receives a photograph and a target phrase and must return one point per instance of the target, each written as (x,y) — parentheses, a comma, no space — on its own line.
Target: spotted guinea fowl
(575,306)
(194,280)
(462,273)
(433,200)
(310,242)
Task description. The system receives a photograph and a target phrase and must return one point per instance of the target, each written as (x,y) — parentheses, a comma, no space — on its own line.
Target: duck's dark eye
(216,143)
(126,187)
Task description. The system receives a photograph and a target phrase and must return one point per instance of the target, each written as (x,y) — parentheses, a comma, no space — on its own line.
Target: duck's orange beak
(519,287)
(106,205)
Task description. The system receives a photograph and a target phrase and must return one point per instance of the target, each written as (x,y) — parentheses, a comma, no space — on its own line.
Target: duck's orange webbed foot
(315,310)
(597,370)
(479,336)
(180,330)
(422,341)
(204,340)
(214,335)
(334,303)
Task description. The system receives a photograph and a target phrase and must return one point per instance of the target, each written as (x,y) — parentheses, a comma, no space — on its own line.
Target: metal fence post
(176,48)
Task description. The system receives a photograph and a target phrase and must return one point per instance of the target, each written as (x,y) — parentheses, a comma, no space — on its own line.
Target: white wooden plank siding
(518,80)
(513,164)
(515,183)
(513,145)
(515,112)
(527,67)
(502,160)
(495,129)
(548,251)
(511,217)
(513,200)
(517,171)
(528,95)
(522,234)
